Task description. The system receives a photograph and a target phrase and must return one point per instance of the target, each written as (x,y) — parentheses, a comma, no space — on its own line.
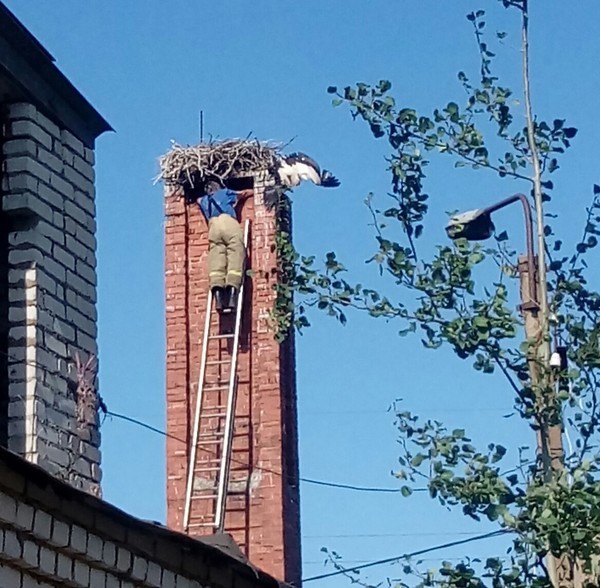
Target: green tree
(549,506)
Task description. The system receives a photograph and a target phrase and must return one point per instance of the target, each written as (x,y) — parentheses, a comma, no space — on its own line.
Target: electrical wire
(406,555)
(263,469)
(268,470)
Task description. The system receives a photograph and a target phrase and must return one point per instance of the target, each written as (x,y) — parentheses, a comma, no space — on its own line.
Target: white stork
(296,167)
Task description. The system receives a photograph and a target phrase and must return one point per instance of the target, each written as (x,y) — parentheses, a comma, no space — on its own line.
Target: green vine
(283,314)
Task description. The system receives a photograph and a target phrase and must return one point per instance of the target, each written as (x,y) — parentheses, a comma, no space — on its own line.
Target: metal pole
(533,299)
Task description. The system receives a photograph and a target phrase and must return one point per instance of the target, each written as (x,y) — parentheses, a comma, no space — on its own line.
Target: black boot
(232,298)
(218,294)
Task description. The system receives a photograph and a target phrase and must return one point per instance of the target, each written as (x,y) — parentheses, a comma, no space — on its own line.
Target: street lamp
(477,225)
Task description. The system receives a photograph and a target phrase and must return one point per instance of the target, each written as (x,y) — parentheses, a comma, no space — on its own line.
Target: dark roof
(33,485)
(28,73)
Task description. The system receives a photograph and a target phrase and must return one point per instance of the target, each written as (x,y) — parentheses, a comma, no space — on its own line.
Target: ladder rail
(196,432)
(231,401)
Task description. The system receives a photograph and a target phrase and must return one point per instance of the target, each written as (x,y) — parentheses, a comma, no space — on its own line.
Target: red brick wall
(263,514)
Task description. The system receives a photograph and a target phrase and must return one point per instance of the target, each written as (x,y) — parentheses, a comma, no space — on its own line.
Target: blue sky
(263,67)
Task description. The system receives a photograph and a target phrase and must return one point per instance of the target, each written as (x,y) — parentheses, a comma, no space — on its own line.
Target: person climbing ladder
(226,252)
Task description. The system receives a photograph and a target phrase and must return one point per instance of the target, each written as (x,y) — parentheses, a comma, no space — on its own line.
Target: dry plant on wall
(86,393)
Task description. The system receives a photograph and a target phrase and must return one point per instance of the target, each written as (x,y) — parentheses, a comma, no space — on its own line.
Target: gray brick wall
(52,535)
(48,195)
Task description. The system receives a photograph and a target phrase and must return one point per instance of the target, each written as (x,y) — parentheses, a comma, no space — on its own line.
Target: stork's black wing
(302,158)
(328,180)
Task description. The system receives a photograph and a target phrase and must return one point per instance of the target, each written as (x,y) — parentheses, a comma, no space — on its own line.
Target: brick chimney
(48,297)
(263,514)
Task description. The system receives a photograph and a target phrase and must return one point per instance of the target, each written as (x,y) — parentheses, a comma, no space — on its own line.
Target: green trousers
(226,251)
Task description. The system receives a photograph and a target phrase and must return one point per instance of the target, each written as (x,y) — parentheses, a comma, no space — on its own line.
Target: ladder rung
(192,525)
(204,497)
(218,362)
(224,336)
(218,415)
(213,388)
(210,469)
(205,435)
(210,442)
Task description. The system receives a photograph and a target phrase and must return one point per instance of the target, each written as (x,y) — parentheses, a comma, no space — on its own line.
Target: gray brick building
(47,263)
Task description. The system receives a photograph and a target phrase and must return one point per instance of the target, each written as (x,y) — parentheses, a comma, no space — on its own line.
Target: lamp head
(473,225)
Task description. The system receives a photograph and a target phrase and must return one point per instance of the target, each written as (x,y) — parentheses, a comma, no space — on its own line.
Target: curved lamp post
(477,225)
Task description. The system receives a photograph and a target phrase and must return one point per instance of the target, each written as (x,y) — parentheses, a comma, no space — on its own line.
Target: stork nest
(191,167)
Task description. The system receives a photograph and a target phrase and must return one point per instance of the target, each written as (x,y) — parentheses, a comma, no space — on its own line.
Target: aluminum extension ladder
(208,479)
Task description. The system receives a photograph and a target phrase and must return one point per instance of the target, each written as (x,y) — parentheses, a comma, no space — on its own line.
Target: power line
(275,472)
(406,555)
(268,470)
(373,535)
